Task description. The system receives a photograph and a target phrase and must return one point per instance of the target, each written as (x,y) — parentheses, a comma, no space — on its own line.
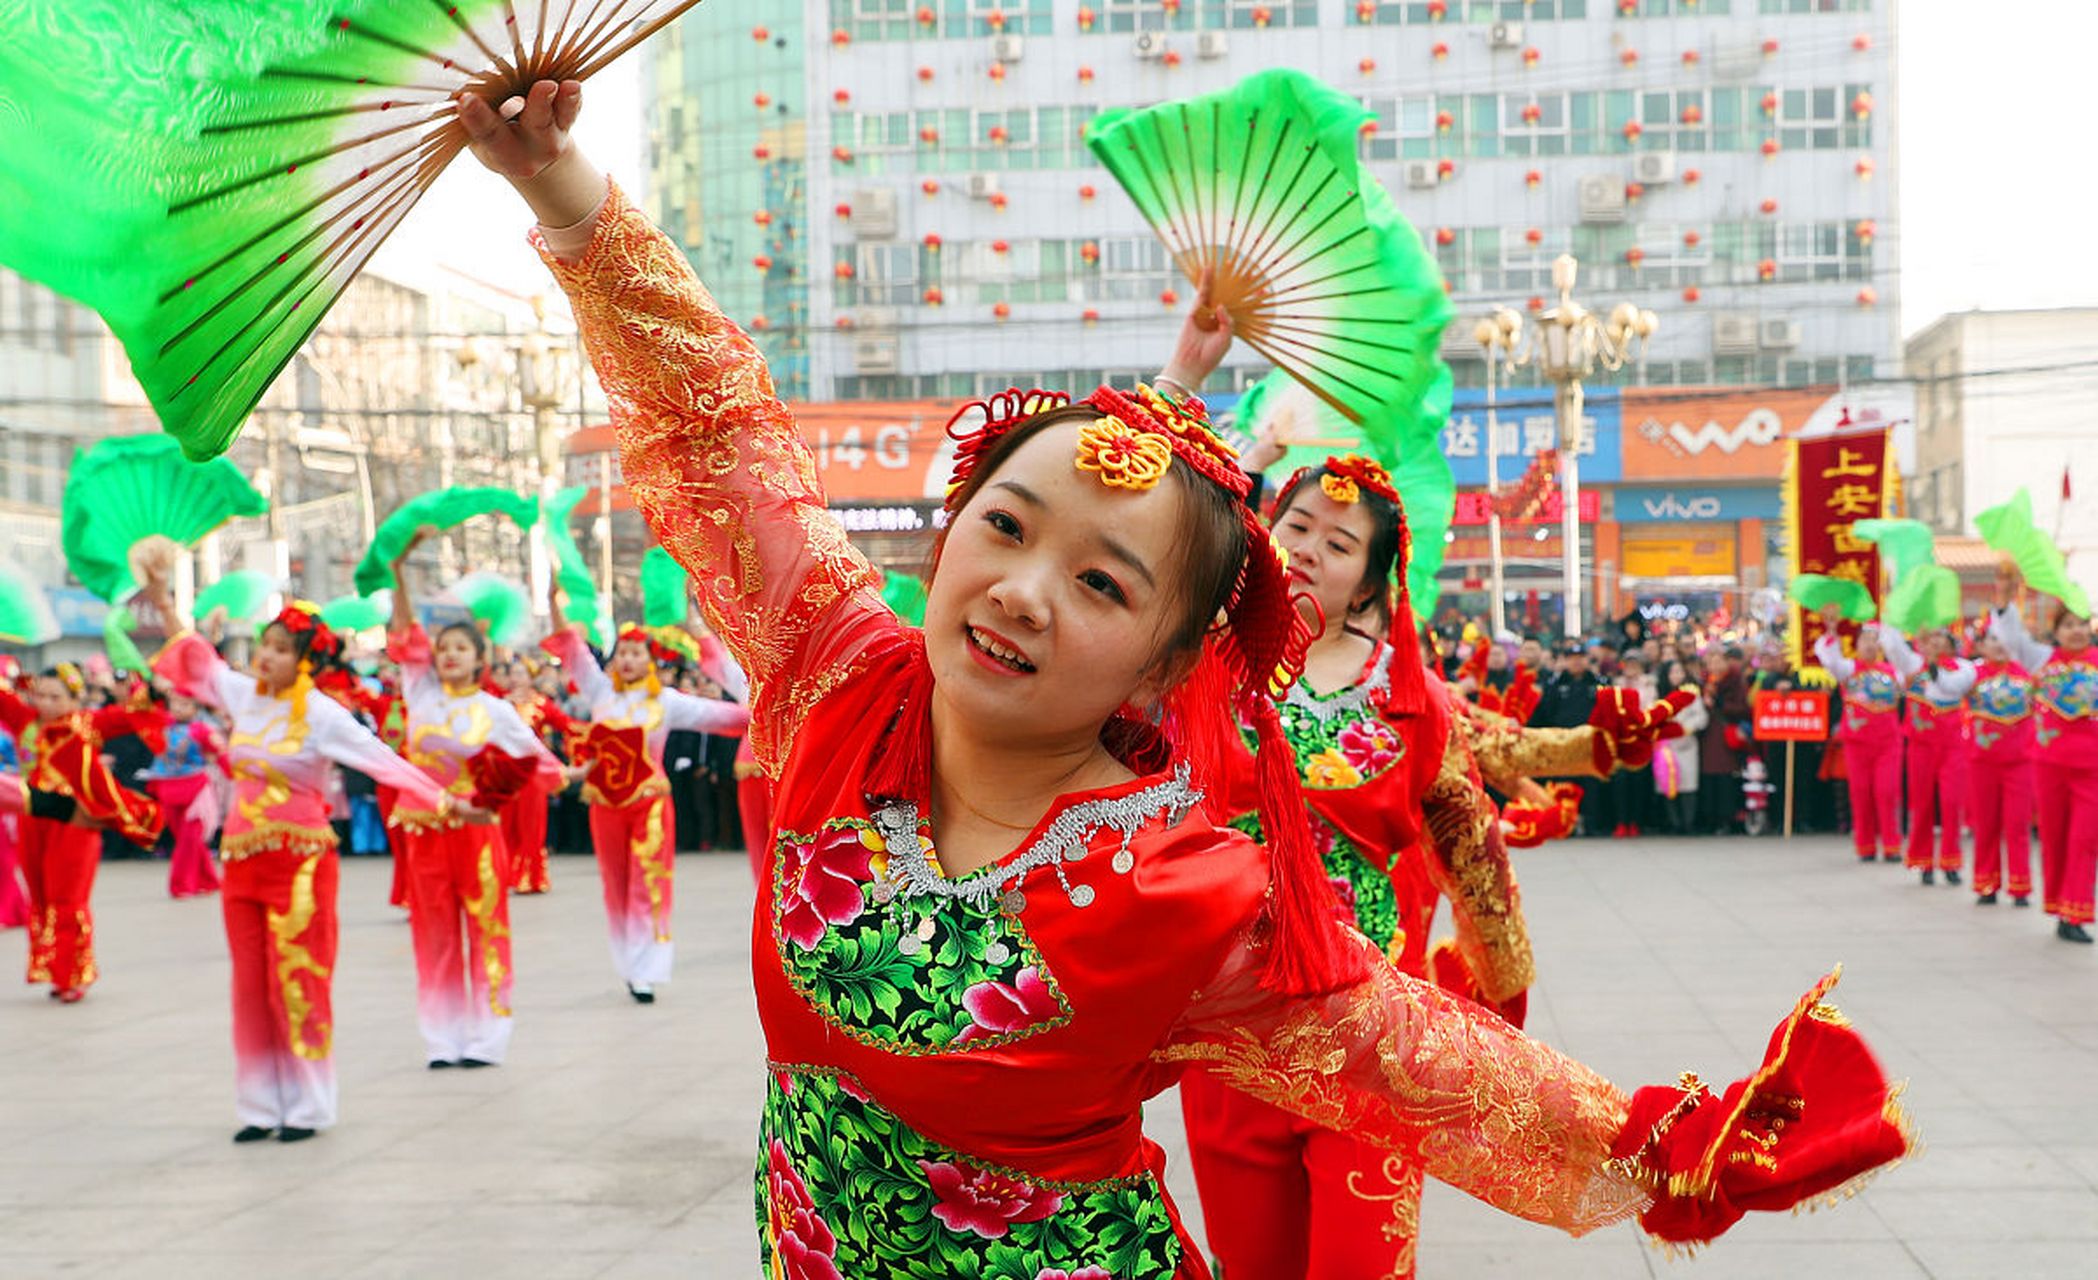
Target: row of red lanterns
(1263,15)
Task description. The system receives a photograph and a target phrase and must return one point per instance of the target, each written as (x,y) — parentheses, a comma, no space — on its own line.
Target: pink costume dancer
(2065,769)
(457,867)
(180,778)
(636,842)
(14,899)
(281,873)
(1934,722)
(1871,728)
(2000,783)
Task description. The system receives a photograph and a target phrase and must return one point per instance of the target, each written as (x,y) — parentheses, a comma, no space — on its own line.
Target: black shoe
(1930,877)
(253,1133)
(2071,932)
(1985,900)
(470,1063)
(441,1064)
(641,996)
(290,1134)
(2021,901)
(1952,877)
(1890,857)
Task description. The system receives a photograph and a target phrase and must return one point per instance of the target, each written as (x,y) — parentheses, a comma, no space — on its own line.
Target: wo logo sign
(1759,428)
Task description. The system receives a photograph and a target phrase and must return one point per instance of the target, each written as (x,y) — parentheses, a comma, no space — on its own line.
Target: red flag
(2065,482)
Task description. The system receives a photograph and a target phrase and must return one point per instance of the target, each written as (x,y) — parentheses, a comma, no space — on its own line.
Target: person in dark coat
(1568,699)
(1720,746)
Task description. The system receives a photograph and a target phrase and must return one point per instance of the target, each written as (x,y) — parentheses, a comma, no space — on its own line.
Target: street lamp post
(1500,334)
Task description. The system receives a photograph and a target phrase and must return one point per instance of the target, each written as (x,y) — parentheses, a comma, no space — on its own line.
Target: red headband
(301,618)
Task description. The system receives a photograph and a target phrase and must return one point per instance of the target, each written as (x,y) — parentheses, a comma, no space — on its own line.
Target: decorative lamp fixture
(929,135)
(1633,191)
(1868,296)
(843,271)
(1438,10)
(1262,16)
(1861,105)
(843,322)
(1630,57)
(843,155)
(1692,115)
(1691,177)
(762,262)
(998,201)
(1367,127)
(1627,8)
(841,96)
(1863,168)
(841,37)
(1001,311)
(1769,104)
(995,19)
(1087,191)
(1091,315)
(1535,303)
(1168,298)
(1866,230)
(1632,130)
(1691,239)
(932,241)
(1530,55)
(761,152)
(1365,11)
(1089,252)
(1770,48)
(933,296)
(1445,170)
(843,211)
(760,34)
(1691,57)
(925,75)
(761,101)
(1445,121)
(1634,255)
(926,16)
(1171,58)
(996,71)
(1532,113)
(1085,75)
(1087,17)
(762,217)
(1001,246)
(1368,66)
(999,135)
(1860,43)
(759,323)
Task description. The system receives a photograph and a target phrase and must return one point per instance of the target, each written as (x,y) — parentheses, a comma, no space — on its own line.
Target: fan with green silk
(1260,187)
(666,590)
(2009,529)
(357,613)
(243,594)
(25,612)
(1924,593)
(1811,591)
(438,509)
(127,489)
(210,174)
(571,570)
(905,596)
(502,603)
(123,652)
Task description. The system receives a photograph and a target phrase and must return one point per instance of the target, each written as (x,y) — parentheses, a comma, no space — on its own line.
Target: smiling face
(1329,552)
(2072,632)
(631,661)
(1055,599)
(276,660)
(457,656)
(1936,646)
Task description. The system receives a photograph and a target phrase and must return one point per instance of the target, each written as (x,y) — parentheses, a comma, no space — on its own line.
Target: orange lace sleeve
(1406,1066)
(720,472)
(1467,859)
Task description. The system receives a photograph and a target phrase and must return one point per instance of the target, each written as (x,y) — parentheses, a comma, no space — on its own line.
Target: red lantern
(998,201)
(1770,48)
(929,136)
(1535,303)
(760,34)
(1262,16)
(1085,75)
(1861,105)
(926,17)
(1532,178)
(1769,207)
(1691,177)
(1532,113)
(1091,315)
(843,322)
(759,323)
(1086,17)
(1368,66)
(1868,296)
(1087,192)
(1169,298)
(1530,55)
(931,186)
(1445,170)
(995,19)
(1630,57)
(761,152)
(1444,121)
(762,262)
(841,37)
(1634,190)
(1691,294)
(1534,235)
(1770,148)
(1690,57)
(1000,246)
(843,271)
(1632,130)
(841,96)
(933,296)
(1089,252)
(1866,230)
(1692,114)
(1627,8)
(1770,104)
(1170,6)
(1437,10)
(843,211)
(1635,255)
(1367,127)
(1445,237)
(999,135)
(843,155)
(996,71)
(1860,42)
(1864,168)
(1766,269)
(761,101)
(1171,58)
(933,241)
(1001,310)
(925,75)
(1692,239)
(1440,51)
(1365,11)
(762,217)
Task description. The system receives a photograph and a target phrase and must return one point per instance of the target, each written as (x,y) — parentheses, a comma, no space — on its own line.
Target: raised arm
(2008,626)
(1951,683)
(578,663)
(704,715)
(1828,651)
(1906,660)
(336,735)
(715,463)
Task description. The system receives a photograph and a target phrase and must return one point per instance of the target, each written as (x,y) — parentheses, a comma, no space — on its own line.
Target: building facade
(895,195)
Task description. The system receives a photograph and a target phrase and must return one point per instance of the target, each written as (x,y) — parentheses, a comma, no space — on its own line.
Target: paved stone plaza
(617,1142)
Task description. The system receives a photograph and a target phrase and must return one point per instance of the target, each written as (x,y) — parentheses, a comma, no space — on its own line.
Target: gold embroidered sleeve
(1468,861)
(1507,751)
(1406,1066)
(720,472)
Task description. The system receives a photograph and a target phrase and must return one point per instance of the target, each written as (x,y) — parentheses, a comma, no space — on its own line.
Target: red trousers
(1283,1199)
(14,899)
(2068,811)
(190,869)
(459,914)
(1937,788)
(524,839)
(59,861)
(281,933)
(636,845)
(1875,797)
(2000,807)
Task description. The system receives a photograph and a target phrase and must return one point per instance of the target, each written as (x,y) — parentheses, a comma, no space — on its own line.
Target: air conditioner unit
(1505,35)
(876,355)
(1212,44)
(1653,168)
(1733,334)
(873,214)
(1778,335)
(1149,44)
(1602,198)
(982,186)
(1420,174)
(874,317)
(1008,48)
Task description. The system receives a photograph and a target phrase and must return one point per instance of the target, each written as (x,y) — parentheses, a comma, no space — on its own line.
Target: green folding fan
(905,596)
(1810,591)
(117,627)
(1904,545)
(1924,594)
(357,613)
(1261,187)
(571,570)
(501,602)
(242,594)
(25,612)
(439,509)
(2010,530)
(210,174)
(130,488)
(666,590)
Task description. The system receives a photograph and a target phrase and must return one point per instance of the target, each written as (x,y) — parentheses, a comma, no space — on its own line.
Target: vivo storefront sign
(1679,503)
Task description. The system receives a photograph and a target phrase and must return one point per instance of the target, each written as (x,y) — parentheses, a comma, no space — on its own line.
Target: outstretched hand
(1205,338)
(526,139)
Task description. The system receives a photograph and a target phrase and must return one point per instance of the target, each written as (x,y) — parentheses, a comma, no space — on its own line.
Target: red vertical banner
(1831,483)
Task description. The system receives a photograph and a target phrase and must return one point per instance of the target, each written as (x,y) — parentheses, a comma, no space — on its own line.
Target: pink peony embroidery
(802,1244)
(1343,898)
(984,1202)
(997,1008)
(1369,745)
(823,881)
(1083,1273)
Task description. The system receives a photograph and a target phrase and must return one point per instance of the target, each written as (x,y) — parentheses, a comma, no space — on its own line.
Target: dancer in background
(180,779)
(71,796)
(632,827)
(524,817)
(280,857)
(2000,778)
(14,806)
(2065,759)
(1934,731)
(1871,730)
(475,746)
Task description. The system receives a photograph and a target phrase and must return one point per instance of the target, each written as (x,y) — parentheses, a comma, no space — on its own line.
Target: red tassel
(901,769)
(1309,954)
(1409,682)
(1197,720)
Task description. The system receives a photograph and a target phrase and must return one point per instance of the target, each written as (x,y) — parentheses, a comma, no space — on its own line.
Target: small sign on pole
(1792,717)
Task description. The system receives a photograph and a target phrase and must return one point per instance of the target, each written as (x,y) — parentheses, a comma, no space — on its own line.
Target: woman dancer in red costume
(1871,729)
(995,919)
(523,816)
(1935,682)
(2000,713)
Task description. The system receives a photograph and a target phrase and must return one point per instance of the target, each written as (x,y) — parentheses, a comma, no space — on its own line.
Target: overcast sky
(1998,190)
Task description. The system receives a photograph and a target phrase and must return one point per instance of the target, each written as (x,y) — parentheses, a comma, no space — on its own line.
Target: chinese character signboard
(1790,717)
(1832,482)
(1526,428)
